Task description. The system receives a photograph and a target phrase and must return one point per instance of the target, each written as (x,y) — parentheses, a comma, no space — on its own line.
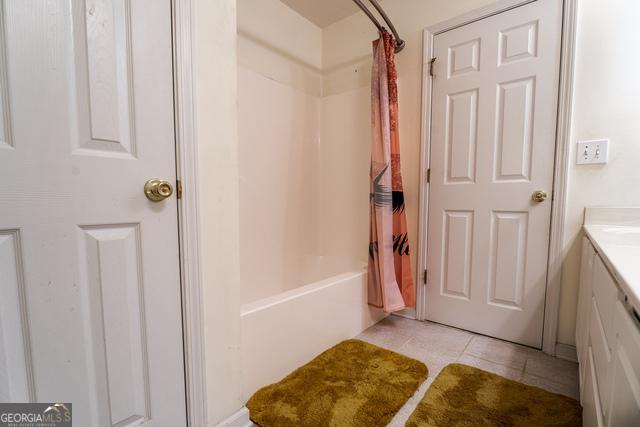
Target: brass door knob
(539,196)
(157,190)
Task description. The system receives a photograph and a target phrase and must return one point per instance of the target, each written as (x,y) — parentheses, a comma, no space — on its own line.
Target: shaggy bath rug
(465,396)
(351,384)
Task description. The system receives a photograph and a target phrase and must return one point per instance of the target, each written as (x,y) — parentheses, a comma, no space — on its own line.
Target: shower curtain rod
(399,42)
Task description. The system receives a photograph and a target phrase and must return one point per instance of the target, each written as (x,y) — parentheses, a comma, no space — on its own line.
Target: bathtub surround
(389,273)
(463,394)
(302,244)
(352,384)
(279,152)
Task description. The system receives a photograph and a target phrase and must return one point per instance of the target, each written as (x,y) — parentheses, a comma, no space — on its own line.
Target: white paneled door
(492,148)
(89,269)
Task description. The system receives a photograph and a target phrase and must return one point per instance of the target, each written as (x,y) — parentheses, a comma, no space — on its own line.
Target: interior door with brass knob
(89,268)
(493,125)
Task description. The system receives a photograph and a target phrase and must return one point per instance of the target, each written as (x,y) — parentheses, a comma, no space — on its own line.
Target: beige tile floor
(438,345)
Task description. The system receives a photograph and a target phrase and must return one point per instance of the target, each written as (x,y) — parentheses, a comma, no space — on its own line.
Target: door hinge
(424,277)
(431,66)
(428,175)
(179,188)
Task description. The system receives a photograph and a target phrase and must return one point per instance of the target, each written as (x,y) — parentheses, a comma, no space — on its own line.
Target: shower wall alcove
(304,167)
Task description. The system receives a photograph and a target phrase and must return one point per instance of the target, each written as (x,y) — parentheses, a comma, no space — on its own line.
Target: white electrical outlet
(593,152)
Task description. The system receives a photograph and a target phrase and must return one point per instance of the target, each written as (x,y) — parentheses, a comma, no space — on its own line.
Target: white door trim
(554,270)
(560,181)
(188,221)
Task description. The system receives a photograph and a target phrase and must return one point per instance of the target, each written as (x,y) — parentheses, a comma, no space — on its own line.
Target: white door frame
(558,199)
(188,221)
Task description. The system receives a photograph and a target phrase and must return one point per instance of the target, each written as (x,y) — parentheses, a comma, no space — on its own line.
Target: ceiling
(323,12)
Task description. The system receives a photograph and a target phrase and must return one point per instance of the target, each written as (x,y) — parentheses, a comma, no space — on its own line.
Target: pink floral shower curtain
(390,281)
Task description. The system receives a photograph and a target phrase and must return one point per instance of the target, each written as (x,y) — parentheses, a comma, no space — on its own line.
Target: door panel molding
(5,116)
(524,36)
(558,202)
(457,239)
(115,321)
(104,79)
(514,130)
(460,145)
(509,231)
(16,366)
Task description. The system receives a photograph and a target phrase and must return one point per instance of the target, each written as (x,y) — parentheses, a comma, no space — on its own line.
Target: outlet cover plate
(592,152)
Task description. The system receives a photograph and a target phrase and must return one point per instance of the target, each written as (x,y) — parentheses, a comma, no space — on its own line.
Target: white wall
(606,105)
(215,83)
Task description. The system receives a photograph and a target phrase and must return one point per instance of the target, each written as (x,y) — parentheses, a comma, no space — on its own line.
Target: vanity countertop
(615,233)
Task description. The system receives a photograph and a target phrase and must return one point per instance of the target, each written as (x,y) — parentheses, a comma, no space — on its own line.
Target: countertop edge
(629,291)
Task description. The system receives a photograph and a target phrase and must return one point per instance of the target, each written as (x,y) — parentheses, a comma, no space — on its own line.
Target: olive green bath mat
(351,384)
(465,396)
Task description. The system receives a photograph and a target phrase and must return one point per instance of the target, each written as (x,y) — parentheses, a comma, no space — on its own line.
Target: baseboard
(566,352)
(239,419)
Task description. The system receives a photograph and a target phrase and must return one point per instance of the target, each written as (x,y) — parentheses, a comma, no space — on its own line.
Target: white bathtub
(282,332)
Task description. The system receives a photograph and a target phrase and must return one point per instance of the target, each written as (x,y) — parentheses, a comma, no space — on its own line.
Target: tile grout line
(524,368)
(412,336)
(471,338)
